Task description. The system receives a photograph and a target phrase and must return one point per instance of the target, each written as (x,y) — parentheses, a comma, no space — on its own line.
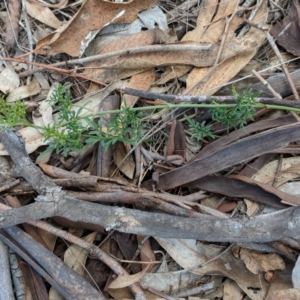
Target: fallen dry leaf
(232,291)
(287,31)
(9,80)
(140,39)
(289,294)
(141,81)
(124,163)
(204,81)
(126,280)
(24,91)
(94,14)
(191,254)
(257,262)
(260,143)
(42,13)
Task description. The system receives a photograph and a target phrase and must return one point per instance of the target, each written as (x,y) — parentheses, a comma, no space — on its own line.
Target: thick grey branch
(264,228)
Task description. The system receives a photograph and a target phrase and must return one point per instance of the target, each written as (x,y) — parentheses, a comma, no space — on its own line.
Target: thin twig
(227,23)
(206,99)
(42,67)
(266,84)
(131,51)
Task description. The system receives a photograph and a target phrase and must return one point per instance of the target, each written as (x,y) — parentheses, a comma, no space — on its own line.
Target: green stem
(183,105)
(172,106)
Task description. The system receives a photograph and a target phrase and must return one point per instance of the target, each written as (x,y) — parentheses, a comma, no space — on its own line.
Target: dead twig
(207,99)
(266,84)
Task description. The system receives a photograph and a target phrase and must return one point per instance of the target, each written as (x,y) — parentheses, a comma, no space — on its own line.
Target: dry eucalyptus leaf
(204,81)
(9,80)
(191,253)
(140,39)
(125,165)
(42,13)
(141,81)
(24,91)
(125,280)
(93,15)
(257,262)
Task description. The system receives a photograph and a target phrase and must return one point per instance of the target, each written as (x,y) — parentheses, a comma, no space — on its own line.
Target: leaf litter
(191,159)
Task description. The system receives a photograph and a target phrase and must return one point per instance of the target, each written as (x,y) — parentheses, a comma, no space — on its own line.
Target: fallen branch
(52,201)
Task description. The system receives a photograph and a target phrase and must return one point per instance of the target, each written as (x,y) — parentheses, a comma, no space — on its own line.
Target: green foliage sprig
(199,130)
(67,134)
(12,115)
(240,114)
(127,127)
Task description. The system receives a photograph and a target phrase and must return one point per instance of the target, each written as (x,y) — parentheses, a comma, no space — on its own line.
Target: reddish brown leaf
(287,32)
(242,150)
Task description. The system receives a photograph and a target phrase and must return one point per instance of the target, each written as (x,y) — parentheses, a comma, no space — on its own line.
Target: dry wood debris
(174,213)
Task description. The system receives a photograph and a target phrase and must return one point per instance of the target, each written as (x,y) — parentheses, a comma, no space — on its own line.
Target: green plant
(12,115)
(73,132)
(198,130)
(126,127)
(238,115)
(67,134)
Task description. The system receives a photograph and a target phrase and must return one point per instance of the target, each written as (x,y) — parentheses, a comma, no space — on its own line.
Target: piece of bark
(64,279)
(240,133)
(287,31)
(237,152)
(104,158)
(252,168)
(235,188)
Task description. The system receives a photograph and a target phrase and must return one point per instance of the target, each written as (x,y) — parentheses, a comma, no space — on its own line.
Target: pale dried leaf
(125,280)
(154,17)
(12,23)
(75,257)
(125,165)
(90,17)
(163,281)
(42,13)
(24,91)
(207,82)
(191,253)
(43,114)
(141,81)
(145,38)
(33,139)
(279,171)
(288,294)
(232,291)
(111,33)
(9,80)
(257,262)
